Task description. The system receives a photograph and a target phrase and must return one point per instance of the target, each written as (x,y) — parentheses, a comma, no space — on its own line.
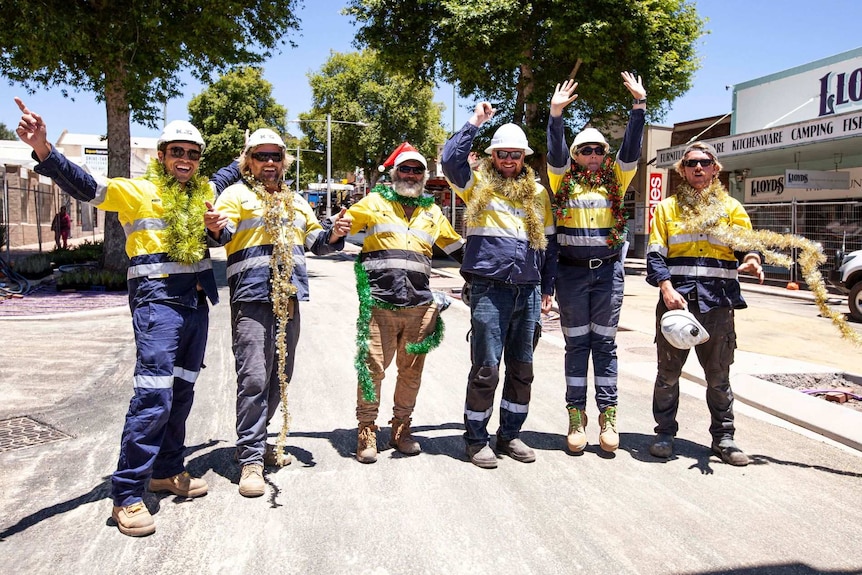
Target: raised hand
(484,111)
(32,131)
(564,94)
(634,85)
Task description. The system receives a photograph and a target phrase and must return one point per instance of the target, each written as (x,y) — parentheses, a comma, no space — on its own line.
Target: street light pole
(328,165)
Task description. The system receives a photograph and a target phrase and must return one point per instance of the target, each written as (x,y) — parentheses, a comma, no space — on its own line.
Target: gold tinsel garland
(521,189)
(278,209)
(703,212)
(183,211)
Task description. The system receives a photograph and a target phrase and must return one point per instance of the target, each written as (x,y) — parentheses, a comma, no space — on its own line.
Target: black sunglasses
(705,162)
(179,153)
(588,151)
(503,154)
(267,156)
(411,170)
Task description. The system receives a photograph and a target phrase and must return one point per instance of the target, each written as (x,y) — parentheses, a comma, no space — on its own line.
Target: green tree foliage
(240,100)
(6,133)
(130,54)
(513,53)
(358,87)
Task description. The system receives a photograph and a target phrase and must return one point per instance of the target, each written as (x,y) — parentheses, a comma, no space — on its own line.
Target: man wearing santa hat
(398,315)
(509,226)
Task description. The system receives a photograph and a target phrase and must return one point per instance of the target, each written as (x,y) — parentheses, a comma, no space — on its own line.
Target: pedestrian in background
(698,272)
(265,228)
(509,225)
(170,278)
(398,315)
(61,226)
(589,186)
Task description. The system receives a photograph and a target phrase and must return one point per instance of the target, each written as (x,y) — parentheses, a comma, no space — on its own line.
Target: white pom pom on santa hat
(401,154)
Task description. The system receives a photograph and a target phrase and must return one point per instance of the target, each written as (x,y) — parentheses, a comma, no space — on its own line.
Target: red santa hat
(401,154)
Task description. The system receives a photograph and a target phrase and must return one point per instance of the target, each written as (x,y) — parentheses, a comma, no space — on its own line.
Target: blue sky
(748,39)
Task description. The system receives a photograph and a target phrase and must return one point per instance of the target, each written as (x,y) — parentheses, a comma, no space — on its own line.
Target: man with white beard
(398,315)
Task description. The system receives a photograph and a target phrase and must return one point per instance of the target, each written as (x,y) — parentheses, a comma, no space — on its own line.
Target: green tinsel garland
(391,195)
(363,333)
(184,210)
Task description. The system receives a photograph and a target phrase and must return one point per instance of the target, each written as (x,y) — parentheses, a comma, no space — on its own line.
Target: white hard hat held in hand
(682,330)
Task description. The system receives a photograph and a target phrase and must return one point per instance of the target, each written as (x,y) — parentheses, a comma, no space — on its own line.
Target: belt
(592,263)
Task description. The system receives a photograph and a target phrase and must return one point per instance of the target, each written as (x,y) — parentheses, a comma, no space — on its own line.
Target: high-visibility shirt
(696,262)
(396,252)
(152,275)
(497,244)
(249,245)
(582,232)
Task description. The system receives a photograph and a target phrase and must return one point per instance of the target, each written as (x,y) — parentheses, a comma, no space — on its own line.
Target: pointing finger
(209,206)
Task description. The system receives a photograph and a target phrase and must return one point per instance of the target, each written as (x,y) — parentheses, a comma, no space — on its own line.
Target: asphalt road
(794,510)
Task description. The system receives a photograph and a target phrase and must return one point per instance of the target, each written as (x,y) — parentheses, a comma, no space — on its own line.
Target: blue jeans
(590,302)
(171,341)
(503,320)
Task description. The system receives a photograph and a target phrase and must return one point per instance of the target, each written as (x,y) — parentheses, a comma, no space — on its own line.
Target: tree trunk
(119,160)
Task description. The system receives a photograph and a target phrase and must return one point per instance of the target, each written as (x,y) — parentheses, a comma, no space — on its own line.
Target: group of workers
(523,247)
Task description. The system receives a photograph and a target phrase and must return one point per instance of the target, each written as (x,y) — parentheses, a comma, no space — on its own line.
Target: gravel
(820,382)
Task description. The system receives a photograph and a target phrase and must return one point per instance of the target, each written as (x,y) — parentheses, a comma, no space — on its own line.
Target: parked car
(847,277)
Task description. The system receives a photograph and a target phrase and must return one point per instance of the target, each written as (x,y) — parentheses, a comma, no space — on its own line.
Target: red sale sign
(654,197)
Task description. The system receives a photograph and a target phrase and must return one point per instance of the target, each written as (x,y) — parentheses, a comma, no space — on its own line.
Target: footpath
(635,347)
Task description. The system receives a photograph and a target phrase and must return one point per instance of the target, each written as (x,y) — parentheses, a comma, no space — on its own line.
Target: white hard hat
(509,136)
(588,136)
(264,136)
(180,131)
(682,330)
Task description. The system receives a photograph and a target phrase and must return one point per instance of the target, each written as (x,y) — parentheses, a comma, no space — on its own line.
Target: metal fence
(835,225)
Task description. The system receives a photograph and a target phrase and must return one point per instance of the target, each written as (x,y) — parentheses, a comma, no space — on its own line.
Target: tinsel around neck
(579,178)
(705,211)
(423,201)
(184,208)
(520,189)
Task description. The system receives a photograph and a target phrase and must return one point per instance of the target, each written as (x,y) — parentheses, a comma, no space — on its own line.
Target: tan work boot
(401,439)
(609,439)
(181,484)
(271,460)
(134,520)
(251,482)
(366,443)
(577,438)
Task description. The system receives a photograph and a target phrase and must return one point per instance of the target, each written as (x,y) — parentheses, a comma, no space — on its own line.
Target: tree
(240,100)
(6,133)
(130,53)
(357,87)
(513,53)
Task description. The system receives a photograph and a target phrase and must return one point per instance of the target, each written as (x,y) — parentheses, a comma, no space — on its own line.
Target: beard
(408,189)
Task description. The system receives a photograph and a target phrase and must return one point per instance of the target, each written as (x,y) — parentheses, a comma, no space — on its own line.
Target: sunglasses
(179,153)
(411,170)
(503,154)
(267,156)
(588,151)
(705,162)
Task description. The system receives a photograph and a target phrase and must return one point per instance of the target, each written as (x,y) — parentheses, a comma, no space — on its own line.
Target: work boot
(516,449)
(134,520)
(251,482)
(730,453)
(270,459)
(577,438)
(401,439)
(609,439)
(366,443)
(481,455)
(662,446)
(181,484)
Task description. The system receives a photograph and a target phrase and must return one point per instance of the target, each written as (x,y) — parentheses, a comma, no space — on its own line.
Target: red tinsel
(580,177)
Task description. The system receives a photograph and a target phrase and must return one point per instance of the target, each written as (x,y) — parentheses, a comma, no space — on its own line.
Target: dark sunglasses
(267,156)
(411,170)
(503,154)
(588,151)
(706,162)
(179,153)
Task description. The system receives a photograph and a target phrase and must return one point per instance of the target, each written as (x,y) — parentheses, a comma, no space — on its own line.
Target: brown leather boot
(366,442)
(401,439)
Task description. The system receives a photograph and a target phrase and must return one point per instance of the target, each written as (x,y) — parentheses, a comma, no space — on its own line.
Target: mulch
(45,300)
